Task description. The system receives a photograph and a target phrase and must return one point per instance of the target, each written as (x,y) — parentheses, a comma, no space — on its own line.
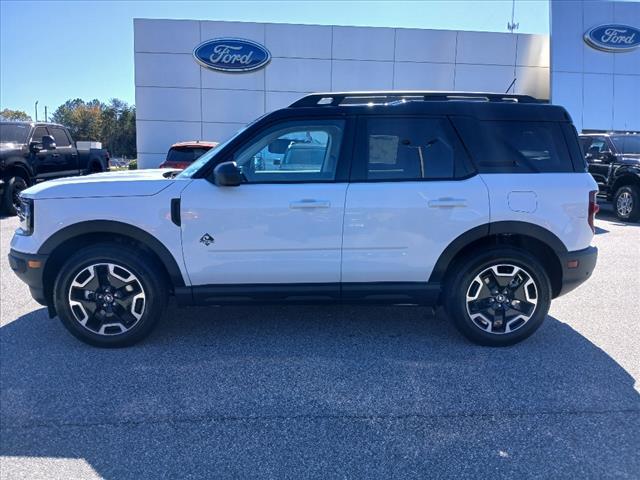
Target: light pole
(36,110)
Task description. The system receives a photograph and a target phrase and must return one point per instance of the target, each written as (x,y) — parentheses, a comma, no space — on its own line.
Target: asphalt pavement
(329,392)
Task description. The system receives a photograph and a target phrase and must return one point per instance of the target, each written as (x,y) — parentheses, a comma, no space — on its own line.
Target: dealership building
(589,63)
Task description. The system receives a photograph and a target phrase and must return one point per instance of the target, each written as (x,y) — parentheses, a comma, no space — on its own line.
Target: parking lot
(330,392)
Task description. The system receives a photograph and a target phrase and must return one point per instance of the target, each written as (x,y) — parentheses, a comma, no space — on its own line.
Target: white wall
(177,99)
(601,90)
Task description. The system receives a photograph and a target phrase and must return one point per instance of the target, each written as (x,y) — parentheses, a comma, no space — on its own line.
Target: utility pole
(36,110)
(45,114)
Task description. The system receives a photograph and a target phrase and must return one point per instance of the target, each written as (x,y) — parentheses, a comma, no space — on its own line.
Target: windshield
(627,144)
(14,132)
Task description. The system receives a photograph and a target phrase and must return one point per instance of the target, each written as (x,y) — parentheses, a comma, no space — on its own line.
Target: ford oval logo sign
(613,38)
(231,55)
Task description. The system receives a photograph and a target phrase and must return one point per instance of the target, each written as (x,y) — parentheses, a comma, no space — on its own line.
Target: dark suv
(614,162)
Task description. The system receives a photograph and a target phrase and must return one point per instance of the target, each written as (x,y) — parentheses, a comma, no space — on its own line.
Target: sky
(52,51)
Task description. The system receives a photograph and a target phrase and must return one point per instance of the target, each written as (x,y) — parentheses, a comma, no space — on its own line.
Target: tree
(14,115)
(82,119)
(112,123)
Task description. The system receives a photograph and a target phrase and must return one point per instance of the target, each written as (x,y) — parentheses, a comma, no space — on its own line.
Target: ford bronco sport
(478,202)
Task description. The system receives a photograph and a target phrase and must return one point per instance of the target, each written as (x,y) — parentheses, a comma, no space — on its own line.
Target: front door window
(293,152)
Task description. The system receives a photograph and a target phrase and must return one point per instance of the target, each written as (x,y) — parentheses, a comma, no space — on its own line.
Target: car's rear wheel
(626,203)
(13,186)
(110,295)
(498,297)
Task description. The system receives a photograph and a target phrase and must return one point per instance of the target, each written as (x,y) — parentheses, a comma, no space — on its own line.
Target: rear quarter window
(517,146)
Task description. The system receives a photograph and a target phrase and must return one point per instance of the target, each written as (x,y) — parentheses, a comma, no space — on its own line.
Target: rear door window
(406,148)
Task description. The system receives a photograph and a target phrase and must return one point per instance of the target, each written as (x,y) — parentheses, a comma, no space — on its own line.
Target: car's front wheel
(626,203)
(13,186)
(498,297)
(110,295)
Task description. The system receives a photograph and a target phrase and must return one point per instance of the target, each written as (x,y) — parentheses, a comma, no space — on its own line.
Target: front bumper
(577,267)
(30,269)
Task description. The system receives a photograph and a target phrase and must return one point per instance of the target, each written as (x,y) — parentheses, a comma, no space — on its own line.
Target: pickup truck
(31,152)
(613,160)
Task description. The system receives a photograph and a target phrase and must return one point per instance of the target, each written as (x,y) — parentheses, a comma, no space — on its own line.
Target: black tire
(13,185)
(123,310)
(626,203)
(465,280)
(95,167)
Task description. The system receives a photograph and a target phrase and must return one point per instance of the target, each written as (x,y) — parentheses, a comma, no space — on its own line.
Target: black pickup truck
(614,161)
(31,152)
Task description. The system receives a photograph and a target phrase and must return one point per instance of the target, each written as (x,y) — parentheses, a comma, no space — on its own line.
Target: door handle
(310,203)
(55,155)
(448,202)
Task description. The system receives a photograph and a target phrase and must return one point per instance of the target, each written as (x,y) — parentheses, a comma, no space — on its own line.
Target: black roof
(484,106)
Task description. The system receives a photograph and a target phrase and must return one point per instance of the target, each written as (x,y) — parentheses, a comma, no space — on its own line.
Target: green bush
(133,165)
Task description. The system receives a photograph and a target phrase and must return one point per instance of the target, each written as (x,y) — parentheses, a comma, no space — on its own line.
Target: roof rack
(334,99)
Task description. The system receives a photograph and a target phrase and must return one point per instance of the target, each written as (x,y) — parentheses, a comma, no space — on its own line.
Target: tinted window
(297,151)
(519,147)
(403,148)
(185,154)
(38,133)
(628,144)
(60,136)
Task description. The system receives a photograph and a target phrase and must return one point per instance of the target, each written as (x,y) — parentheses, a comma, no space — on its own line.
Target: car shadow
(606,213)
(316,392)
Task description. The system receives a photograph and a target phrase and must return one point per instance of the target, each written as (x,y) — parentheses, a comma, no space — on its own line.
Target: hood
(10,147)
(128,183)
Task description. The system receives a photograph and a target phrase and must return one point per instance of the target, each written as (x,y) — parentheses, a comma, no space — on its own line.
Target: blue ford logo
(231,55)
(613,38)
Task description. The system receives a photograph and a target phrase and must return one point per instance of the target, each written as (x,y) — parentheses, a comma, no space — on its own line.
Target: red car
(183,154)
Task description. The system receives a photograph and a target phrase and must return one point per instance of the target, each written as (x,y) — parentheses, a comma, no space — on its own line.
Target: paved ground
(330,392)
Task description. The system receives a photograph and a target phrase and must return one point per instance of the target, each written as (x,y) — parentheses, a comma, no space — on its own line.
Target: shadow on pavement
(317,392)
(606,213)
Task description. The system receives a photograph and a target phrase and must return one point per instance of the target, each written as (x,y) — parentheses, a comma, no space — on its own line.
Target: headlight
(25,213)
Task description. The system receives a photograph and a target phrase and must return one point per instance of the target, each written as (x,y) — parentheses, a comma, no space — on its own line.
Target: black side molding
(175,211)
(380,293)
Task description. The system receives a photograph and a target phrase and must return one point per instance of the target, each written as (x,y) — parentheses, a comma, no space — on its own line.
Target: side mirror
(227,174)
(35,146)
(48,143)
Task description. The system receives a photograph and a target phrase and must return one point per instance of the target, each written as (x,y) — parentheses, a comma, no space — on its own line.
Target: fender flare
(495,228)
(120,228)
(18,163)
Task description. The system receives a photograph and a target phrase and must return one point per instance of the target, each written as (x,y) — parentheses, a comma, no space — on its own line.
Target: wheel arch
(71,238)
(626,178)
(18,165)
(539,241)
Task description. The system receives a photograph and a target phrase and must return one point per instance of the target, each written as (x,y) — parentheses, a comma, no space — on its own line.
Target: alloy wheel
(624,204)
(107,299)
(501,298)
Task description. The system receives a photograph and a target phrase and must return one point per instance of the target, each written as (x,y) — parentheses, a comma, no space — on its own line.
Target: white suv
(479,202)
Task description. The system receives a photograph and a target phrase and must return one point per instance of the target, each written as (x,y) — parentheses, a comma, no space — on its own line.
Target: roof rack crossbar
(334,99)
